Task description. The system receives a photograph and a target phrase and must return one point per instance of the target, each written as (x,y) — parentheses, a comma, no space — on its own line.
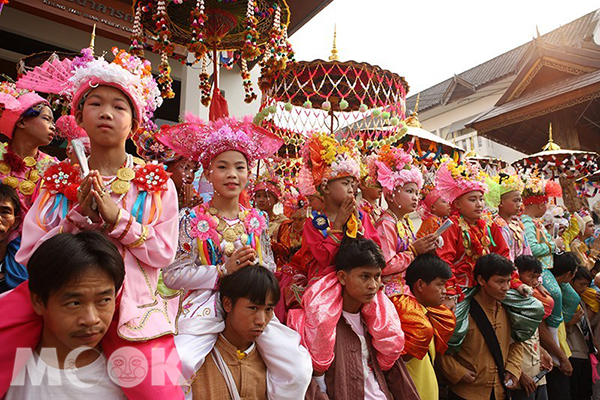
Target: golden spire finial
(93,39)
(334,52)
(472,152)
(551,145)
(417,103)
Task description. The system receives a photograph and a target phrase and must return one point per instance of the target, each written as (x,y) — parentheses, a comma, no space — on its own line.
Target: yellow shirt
(423,375)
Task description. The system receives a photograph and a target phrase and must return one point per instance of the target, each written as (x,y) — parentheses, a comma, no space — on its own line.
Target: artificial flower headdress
(534,191)
(582,217)
(453,180)
(429,195)
(76,78)
(171,142)
(395,169)
(151,149)
(203,142)
(269,182)
(368,171)
(293,202)
(326,159)
(13,104)
(505,182)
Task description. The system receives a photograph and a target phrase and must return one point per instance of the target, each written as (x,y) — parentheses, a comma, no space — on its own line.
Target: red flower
(71,192)
(15,162)
(151,178)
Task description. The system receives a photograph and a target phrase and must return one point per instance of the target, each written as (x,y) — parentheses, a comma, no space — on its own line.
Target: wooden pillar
(565,135)
(570,198)
(564,130)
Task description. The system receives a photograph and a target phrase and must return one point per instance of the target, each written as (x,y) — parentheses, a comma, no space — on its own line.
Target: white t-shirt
(372,389)
(40,381)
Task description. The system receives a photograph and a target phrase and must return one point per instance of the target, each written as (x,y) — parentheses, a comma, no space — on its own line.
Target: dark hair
(427,267)
(35,110)
(493,264)
(360,252)
(564,263)
(583,273)
(528,263)
(63,258)
(253,282)
(10,194)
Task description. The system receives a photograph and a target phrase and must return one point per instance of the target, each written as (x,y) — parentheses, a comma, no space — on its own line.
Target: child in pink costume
(219,238)
(401,182)
(28,123)
(134,203)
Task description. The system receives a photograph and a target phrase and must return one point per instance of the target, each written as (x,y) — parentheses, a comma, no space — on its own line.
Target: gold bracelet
(119,215)
(141,239)
(126,229)
(413,250)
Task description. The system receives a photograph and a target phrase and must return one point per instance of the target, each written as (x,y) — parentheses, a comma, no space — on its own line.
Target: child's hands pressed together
(106,206)
(85,196)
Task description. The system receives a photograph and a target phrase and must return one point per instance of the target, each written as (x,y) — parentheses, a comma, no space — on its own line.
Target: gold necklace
(230,233)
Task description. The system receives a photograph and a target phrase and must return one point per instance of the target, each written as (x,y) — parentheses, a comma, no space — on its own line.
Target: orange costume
(422,324)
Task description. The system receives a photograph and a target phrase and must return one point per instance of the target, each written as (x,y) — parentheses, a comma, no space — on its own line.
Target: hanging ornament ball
(326,105)
(360,143)
(376,112)
(369,143)
(385,115)
(363,108)
(288,107)
(307,104)
(271,109)
(343,104)
(404,130)
(394,121)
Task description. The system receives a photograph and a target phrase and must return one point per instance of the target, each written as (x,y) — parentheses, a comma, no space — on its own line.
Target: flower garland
(251,51)
(138,40)
(197,20)
(205,84)
(250,96)
(164,46)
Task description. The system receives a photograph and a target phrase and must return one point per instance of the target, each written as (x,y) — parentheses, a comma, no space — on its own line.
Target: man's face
(496,287)
(361,284)
(530,278)
(430,294)
(248,320)
(580,285)
(79,313)
(8,220)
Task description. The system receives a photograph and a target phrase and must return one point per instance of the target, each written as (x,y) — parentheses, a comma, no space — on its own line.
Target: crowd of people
(120,281)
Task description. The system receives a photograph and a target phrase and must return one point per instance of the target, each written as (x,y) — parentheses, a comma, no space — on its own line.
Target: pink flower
(255,222)
(204,227)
